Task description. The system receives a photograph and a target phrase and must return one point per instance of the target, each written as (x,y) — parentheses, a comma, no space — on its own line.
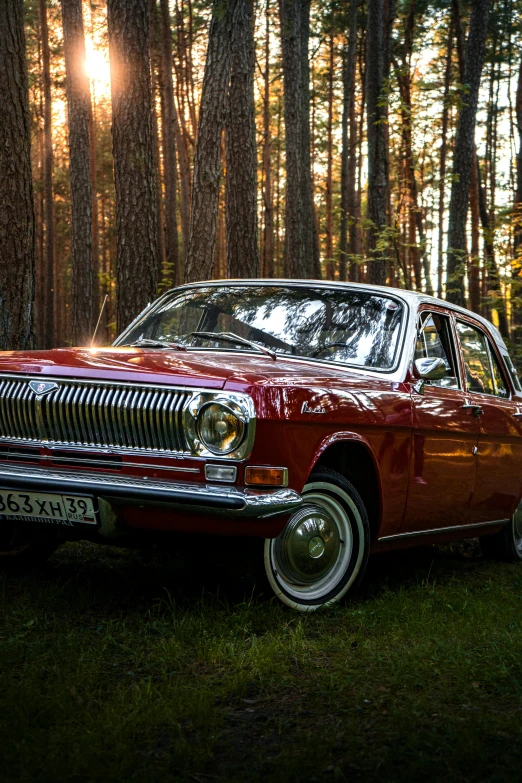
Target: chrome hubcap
(309,546)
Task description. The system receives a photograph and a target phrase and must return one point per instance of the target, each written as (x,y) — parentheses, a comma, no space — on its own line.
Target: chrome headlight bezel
(240,405)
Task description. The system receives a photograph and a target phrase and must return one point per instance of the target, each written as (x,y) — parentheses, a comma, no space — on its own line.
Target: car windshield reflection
(341,325)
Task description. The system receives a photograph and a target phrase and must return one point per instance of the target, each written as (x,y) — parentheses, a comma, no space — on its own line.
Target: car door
(499,456)
(445,435)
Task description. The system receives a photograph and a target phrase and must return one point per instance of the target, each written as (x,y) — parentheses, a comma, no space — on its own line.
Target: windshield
(341,325)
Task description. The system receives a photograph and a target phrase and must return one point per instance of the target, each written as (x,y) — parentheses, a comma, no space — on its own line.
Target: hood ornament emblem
(41,387)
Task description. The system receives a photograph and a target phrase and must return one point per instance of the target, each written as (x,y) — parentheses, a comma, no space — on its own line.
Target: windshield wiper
(230,337)
(146,343)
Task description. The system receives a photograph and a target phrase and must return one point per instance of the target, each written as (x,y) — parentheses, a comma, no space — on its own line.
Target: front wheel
(323,550)
(505,545)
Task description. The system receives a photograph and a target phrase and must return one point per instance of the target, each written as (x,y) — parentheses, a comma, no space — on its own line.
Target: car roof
(415,298)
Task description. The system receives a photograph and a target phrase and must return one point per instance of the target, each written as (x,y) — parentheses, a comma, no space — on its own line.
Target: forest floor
(124,665)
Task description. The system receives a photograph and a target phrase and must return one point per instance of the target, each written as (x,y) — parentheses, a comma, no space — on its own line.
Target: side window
(482,370)
(434,341)
(501,387)
(512,371)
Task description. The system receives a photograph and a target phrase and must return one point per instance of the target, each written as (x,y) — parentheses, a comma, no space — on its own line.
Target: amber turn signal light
(268,477)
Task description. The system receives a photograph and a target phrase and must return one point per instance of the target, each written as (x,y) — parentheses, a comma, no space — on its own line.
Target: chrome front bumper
(236,502)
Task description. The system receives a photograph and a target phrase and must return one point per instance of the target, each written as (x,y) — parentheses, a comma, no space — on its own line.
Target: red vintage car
(330,419)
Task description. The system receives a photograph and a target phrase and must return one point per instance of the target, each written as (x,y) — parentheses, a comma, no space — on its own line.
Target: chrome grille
(95,415)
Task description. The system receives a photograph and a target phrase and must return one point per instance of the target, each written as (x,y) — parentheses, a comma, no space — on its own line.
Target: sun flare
(98,67)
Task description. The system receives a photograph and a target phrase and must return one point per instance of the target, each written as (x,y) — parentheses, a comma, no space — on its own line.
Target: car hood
(212,369)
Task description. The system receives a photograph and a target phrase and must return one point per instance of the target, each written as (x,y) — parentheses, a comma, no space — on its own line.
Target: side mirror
(430,369)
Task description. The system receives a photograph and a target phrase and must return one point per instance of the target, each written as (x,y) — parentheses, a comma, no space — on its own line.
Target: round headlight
(219,429)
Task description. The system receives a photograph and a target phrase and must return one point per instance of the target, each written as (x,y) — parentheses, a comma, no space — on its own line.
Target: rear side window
(512,371)
(434,341)
(481,367)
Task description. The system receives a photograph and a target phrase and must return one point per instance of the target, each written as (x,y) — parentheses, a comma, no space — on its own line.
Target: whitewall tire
(322,552)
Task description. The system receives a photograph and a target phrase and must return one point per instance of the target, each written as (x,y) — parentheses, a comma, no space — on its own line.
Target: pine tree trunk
(17,231)
(443,158)
(207,162)
(517,207)
(301,243)
(78,114)
(463,154)
(48,337)
(330,261)
(474,271)
(170,178)
(135,184)
(156,85)
(182,141)
(241,154)
(348,143)
(267,261)
(377,147)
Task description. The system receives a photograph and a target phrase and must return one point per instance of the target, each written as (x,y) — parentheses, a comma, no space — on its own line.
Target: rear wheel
(323,550)
(505,545)
(26,544)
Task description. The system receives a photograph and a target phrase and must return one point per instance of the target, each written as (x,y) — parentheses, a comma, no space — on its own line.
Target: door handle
(477,410)
(518,415)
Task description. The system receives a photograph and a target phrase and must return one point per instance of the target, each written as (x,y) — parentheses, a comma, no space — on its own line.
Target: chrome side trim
(455,528)
(96,463)
(236,502)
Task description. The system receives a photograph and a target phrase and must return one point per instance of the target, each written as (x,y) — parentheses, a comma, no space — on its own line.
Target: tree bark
(474,271)
(330,261)
(48,336)
(377,147)
(463,154)
(348,142)
(17,231)
(518,192)
(78,114)
(207,162)
(443,158)
(267,260)
(170,177)
(136,212)
(241,153)
(301,243)
(156,86)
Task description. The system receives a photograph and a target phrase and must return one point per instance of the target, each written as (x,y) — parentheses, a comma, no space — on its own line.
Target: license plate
(43,507)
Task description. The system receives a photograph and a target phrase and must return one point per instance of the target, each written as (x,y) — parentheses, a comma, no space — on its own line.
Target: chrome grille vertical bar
(182,444)
(94,412)
(164,419)
(68,413)
(142,413)
(82,433)
(26,412)
(17,410)
(104,435)
(76,390)
(121,418)
(159,428)
(61,424)
(3,421)
(153,429)
(107,416)
(8,401)
(173,427)
(133,419)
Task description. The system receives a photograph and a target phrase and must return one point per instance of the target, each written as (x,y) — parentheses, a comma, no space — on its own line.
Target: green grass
(115,665)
